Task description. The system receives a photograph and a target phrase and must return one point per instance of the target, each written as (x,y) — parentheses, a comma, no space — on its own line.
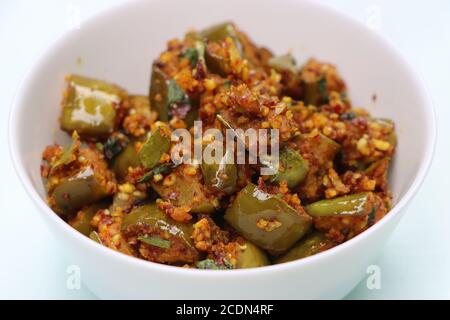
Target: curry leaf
(161,169)
(213,265)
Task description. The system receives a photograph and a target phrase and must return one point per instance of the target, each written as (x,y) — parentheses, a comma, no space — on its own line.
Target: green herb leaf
(156,241)
(145,177)
(113,146)
(323,90)
(178,102)
(192,55)
(348,116)
(175,94)
(213,265)
(152,150)
(161,169)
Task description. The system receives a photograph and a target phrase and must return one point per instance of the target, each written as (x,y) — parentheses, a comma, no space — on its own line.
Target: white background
(415,263)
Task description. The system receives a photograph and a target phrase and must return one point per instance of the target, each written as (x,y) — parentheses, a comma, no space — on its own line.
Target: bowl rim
(421,173)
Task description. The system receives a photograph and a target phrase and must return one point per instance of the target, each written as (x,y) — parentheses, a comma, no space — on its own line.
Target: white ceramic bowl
(119,45)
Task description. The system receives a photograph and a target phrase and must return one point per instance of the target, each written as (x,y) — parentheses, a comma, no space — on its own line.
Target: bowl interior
(119,46)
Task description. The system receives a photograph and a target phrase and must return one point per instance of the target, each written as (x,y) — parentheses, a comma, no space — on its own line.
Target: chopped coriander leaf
(213,265)
(113,146)
(145,177)
(323,90)
(176,95)
(161,169)
(348,116)
(177,100)
(192,55)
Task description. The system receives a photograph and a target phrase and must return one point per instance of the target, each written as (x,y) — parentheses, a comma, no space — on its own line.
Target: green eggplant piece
(293,168)
(90,107)
(350,205)
(250,256)
(152,150)
(310,245)
(253,207)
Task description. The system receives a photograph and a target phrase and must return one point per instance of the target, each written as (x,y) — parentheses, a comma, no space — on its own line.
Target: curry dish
(117,183)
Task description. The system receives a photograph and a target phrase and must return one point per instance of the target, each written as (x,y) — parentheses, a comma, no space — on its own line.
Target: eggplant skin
(266,220)
(148,221)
